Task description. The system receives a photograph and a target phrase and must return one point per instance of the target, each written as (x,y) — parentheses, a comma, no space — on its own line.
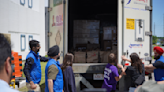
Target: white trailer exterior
(133,22)
(134,10)
(23,20)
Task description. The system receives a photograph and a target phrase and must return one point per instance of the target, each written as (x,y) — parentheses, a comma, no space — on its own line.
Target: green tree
(155,39)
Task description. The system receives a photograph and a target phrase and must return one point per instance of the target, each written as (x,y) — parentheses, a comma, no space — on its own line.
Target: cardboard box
(107,45)
(110,33)
(114,34)
(79,57)
(92,57)
(94,35)
(107,33)
(92,46)
(94,31)
(81,36)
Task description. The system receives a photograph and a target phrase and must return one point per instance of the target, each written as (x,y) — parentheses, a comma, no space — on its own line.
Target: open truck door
(135,21)
(56,25)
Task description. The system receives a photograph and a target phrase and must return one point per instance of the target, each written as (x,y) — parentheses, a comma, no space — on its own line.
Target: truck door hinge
(122,1)
(150,8)
(49,9)
(49,34)
(148,33)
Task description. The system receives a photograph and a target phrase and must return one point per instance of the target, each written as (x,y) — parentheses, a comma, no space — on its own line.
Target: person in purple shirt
(111,75)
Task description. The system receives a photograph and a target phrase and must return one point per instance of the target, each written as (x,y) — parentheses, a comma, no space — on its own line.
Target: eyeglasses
(12,66)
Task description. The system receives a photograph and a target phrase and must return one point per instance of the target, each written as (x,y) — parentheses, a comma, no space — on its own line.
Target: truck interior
(92,30)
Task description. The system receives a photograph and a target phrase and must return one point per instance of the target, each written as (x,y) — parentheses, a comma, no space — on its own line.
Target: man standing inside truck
(32,68)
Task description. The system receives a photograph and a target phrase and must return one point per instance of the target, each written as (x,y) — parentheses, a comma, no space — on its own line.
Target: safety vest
(58,82)
(35,71)
(159,73)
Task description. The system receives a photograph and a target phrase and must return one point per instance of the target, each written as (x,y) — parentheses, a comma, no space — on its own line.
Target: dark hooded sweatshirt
(69,80)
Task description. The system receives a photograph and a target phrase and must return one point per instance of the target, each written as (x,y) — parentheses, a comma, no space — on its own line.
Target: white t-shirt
(4,87)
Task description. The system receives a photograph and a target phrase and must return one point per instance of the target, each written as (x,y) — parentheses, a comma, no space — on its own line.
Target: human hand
(32,85)
(123,58)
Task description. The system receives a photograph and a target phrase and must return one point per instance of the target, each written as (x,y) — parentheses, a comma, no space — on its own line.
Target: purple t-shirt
(110,73)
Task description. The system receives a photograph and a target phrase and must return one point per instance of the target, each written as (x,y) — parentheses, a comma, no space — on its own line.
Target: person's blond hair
(112,58)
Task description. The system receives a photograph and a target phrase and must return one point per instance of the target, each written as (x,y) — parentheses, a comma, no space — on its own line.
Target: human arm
(28,65)
(125,59)
(121,67)
(158,64)
(44,59)
(50,85)
(116,75)
(149,68)
(52,73)
(119,77)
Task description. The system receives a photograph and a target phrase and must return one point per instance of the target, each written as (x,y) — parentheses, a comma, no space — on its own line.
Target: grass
(42,83)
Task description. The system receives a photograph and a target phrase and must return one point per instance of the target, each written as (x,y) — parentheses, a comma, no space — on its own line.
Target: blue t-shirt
(159,73)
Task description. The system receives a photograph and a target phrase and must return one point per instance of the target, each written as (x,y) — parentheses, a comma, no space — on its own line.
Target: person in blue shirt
(53,72)
(32,68)
(5,65)
(158,66)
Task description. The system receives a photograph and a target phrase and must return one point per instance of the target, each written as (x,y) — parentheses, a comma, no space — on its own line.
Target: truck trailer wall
(134,10)
(130,12)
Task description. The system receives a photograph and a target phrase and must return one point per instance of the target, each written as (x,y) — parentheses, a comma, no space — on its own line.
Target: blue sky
(158,15)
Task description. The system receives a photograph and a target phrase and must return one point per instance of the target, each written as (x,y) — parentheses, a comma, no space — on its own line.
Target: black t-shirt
(134,73)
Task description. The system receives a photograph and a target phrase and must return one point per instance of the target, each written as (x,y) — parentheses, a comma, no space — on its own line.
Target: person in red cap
(158,66)
(158,69)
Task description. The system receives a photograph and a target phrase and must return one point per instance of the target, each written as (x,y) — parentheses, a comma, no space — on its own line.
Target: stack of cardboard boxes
(86,35)
(91,56)
(86,31)
(109,37)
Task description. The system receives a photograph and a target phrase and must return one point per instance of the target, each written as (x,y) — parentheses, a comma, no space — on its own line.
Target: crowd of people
(60,77)
(136,72)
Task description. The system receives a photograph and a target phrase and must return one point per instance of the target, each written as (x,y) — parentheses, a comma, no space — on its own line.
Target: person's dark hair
(33,43)
(5,50)
(68,58)
(136,62)
(112,58)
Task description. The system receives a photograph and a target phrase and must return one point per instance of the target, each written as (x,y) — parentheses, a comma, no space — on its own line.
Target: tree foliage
(155,38)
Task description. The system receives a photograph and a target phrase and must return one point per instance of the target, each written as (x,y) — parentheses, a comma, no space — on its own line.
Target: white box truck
(90,28)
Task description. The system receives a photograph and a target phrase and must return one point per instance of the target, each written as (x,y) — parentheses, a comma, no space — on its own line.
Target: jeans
(132,89)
